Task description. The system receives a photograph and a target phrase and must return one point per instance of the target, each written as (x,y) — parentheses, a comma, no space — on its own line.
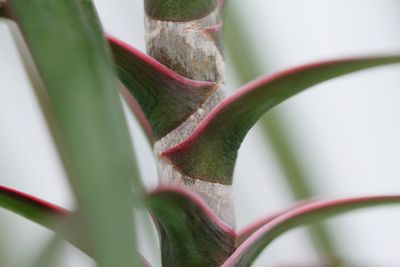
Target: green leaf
(191,234)
(247,65)
(32,208)
(179,10)
(166,98)
(210,152)
(55,218)
(50,254)
(72,57)
(63,222)
(314,212)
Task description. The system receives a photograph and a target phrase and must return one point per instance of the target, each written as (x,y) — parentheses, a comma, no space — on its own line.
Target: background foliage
(344,134)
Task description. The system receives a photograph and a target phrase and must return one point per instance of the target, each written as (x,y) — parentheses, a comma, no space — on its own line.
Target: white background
(346,131)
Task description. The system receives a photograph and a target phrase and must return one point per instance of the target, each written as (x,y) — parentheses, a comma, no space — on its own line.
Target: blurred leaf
(61,221)
(74,62)
(309,213)
(191,234)
(50,254)
(32,208)
(179,10)
(166,98)
(248,65)
(210,152)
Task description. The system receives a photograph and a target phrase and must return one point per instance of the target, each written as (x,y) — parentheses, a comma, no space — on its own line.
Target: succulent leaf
(57,219)
(210,152)
(53,217)
(166,98)
(191,234)
(309,213)
(32,208)
(179,10)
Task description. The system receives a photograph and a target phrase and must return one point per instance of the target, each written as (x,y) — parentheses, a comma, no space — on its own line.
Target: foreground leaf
(309,213)
(210,152)
(73,60)
(166,98)
(179,10)
(191,234)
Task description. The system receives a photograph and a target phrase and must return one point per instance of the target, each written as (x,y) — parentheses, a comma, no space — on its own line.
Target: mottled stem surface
(192,50)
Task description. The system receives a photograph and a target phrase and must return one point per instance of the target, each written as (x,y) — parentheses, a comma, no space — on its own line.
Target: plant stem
(188,49)
(247,66)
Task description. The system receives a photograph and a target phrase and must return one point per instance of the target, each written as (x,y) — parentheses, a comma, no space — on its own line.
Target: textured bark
(191,49)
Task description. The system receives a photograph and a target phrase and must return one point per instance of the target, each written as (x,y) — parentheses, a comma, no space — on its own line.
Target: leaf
(32,208)
(179,10)
(166,98)
(59,220)
(74,62)
(191,234)
(44,213)
(309,213)
(247,65)
(210,152)
(247,231)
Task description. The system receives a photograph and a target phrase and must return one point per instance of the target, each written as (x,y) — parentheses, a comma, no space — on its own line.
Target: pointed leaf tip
(210,152)
(191,234)
(166,98)
(309,213)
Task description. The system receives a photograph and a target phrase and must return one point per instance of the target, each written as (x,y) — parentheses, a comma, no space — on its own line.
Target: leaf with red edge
(210,152)
(309,213)
(32,208)
(53,217)
(191,234)
(166,98)
(61,221)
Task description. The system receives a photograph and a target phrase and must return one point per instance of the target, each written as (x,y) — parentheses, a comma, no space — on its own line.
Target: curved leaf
(247,252)
(166,98)
(32,208)
(247,231)
(247,66)
(53,217)
(210,152)
(179,10)
(191,234)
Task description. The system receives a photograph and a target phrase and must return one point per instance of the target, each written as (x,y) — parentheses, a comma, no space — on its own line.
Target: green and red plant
(74,59)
